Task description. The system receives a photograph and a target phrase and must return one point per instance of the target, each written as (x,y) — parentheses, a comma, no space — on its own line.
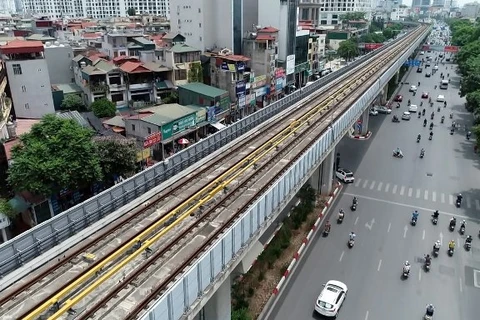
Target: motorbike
(351,243)
(431,126)
(436,251)
(418,139)
(397,155)
(422,154)
(462,230)
(427,265)
(438,109)
(451,131)
(434,220)
(451,116)
(395,119)
(451,227)
(423,112)
(430,137)
(432,116)
(468,137)
(354,205)
(326,231)
(428,316)
(468,245)
(450,251)
(414,221)
(340,217)
(405,272)
(419,116)
(458,203)
(425,124)
(442,120)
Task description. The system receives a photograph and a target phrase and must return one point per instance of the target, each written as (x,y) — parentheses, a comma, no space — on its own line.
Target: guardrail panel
(228,242)
(217,256)
(191,282)
(178,300)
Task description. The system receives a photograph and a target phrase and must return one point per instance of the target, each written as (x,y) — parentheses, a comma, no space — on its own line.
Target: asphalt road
(389,189)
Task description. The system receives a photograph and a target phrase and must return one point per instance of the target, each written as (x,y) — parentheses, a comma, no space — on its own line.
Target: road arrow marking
(369,226)
(405,231)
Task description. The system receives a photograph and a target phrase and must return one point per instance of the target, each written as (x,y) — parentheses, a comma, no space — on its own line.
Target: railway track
(225,187)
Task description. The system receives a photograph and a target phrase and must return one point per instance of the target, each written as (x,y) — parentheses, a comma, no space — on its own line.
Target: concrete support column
(322,179)
(365,117)
(219,307)
(4,235)
(384,95)
(396,76)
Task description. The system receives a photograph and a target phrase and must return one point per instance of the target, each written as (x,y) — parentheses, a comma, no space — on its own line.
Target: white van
(444,84)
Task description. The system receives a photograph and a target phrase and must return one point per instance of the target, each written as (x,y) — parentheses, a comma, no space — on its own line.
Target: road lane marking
(410,191)
(477,204)
(394,190)
(443,198)
(357,183)
(476,278)
(469,203)
(379,188)
(356,221)
(450,199)
(434,196)
(425,196)
(414,207)
(402,190)
(341,256)
(387,187)
(372,185)
(389,226)
(365,184)
(423,236)
(420,276)
(461,285)
(379,265)
(405,229)
(366,315)
(417,195)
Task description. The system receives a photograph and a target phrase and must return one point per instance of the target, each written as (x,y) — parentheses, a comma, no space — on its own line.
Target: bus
(444,84)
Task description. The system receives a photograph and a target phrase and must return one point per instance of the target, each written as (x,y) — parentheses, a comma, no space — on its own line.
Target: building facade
(5,104)
(28,77)
(59,61)
(95,9)
(325,12)
(471,10)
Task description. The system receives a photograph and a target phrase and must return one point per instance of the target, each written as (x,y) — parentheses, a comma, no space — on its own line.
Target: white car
(383,110)
(441,98)
(435,67)
(413,89)
(413,108)
(331,298)
(406,115)
(422,52)
(373,112)
(345,175)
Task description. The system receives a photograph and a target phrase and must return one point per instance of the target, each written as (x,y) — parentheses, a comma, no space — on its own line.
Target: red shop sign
(152,139)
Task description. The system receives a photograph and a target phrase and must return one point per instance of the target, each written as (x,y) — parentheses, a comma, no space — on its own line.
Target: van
(444,84)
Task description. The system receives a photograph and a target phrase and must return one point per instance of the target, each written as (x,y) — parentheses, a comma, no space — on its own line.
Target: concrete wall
(31,91)
(59,62)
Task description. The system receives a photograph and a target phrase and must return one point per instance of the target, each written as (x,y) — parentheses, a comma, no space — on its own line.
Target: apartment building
(128,42)
(212,24)
(329,12)
(471,10)
(59,62)
(28,77)
(5,104)
(421,7)
(179,57)
(96,9)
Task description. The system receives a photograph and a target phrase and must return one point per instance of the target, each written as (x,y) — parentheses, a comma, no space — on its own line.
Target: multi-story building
(212,24)
(28,77)
(324,12)
(59,61)
(421,7)
(5,104)
(179,57)
(95,9)
(128,42)
(471,10)
(262,48)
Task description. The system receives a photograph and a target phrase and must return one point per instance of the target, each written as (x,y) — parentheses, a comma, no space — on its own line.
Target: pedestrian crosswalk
(424,194)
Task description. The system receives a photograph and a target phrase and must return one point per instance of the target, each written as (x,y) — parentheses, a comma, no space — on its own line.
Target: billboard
(290,64)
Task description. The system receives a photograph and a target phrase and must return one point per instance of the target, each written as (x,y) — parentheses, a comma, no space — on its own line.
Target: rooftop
(67,88)
(165,113)
(22,46)
(203,89)
(75,116)
(233,58)
(116,121)
(134,67)
(267,30)
(40,37)
(181,48)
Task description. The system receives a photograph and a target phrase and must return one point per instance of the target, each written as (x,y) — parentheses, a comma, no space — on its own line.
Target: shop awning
(218,125)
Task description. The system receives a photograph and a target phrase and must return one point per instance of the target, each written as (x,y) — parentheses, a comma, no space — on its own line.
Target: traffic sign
(412,63)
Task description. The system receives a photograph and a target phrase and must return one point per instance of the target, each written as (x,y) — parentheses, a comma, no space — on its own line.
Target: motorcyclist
(408,101)
(415,215)
(469,134)
(352,236)
(445,103)
(442,120)
(463,224)
(431,135)
(430,310)
(423,112)
(419,137)
(459,197)
(428,259)
(341,213)
(469,239)
(406,267)
(422,152)
(435,214)
(398,152)
(436,245)
(424,122)
(431,125)
(453,222)
(355,200)
(451,245)
(327,226)
(451,115)
(432,115)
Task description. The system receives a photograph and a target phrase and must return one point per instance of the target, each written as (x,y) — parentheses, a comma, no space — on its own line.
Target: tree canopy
(348,49)
(103,108)
(117,156)
(56,154)
(73,102)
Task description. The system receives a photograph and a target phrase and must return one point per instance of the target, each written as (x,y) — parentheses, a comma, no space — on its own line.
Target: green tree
(56,154)
(463,35)
(172,98)
(103,108)
(73,102)
(117,155)
(473,100)
(7,209)
(467,56)
(131,11)
(241,314)
(388,33)
(347,49)
(195,74)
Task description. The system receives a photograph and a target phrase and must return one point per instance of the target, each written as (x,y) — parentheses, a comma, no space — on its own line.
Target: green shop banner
(174,127)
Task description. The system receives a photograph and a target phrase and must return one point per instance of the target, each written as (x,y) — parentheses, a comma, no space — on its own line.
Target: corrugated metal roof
(91,70)
(204,89)
(180,48)
(73,115)
(116,121)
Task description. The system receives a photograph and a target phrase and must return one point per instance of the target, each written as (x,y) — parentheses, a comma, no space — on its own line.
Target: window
(17,69)
(180,75)
(149,130)
(201,39)
(199,24)
(27,106)
(133,127)
(199,10)
(24,89)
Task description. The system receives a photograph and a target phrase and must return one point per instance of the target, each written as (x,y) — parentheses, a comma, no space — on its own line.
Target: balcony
(98,88)
(140,86)
(117,87)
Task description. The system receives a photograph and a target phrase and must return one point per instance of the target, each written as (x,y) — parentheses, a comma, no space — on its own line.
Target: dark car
(428,74)
(419,70)
(398,98)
